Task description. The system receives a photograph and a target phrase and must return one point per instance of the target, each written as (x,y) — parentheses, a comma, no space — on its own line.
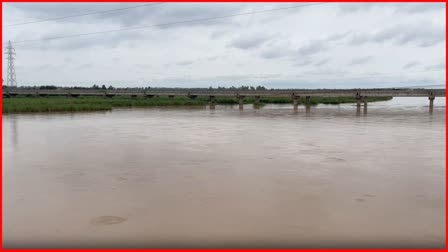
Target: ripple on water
(107,220)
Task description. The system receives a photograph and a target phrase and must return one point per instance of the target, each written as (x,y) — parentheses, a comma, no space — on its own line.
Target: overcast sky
(332,45)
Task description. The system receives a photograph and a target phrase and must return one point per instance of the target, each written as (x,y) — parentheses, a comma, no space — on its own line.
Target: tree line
(110,87)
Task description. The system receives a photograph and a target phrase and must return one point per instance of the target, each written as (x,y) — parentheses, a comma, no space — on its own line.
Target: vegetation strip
(63,104)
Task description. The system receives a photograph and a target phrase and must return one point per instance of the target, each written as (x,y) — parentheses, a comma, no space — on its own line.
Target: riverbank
(63,104)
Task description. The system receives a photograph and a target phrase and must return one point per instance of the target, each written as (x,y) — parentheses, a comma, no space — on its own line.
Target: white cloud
(341,44)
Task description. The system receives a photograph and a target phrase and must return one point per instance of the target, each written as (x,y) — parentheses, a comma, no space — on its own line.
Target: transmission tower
(11,72)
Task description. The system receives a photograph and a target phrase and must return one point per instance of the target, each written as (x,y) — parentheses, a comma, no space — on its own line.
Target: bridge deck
(236,93)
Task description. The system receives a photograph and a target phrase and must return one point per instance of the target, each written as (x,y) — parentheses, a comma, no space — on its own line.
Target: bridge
(295,94)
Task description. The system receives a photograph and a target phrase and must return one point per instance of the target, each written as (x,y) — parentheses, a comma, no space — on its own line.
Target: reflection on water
(13,121)
(257,177)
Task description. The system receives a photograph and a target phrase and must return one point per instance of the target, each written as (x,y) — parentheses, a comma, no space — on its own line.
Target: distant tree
(48,87)
(95,86)
(103,87)
(110,87)
(252,88)
(210,88)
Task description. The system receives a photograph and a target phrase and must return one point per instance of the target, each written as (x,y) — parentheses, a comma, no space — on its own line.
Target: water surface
(190,177)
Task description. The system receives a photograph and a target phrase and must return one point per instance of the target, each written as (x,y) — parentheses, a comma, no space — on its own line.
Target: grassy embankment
(63,104)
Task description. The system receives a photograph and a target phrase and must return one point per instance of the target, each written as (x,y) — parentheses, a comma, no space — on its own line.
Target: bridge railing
(261,93)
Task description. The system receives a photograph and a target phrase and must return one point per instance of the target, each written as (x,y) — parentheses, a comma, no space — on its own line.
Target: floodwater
(195,177)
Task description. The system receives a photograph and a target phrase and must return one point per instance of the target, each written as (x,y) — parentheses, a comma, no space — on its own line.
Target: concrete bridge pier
(171,96)
(241,102)
(307,100)
(364,101)
(257,102)
(212,101)
(307,105)
(296,102)
(149,96)
(431,102)
(358,98)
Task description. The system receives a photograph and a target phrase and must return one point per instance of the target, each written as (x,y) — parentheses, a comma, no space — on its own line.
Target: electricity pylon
(11,72)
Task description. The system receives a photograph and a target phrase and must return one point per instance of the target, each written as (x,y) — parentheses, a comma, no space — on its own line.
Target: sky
(329,45)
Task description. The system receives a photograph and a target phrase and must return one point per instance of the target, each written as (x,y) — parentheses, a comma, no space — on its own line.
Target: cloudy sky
(331,45)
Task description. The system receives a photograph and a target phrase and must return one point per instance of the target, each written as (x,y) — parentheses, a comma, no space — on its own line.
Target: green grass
(63,104)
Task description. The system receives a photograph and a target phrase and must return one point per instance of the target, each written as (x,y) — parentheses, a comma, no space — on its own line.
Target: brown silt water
(328,176)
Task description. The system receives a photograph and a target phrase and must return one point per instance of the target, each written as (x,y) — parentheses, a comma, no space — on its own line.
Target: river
(195,177)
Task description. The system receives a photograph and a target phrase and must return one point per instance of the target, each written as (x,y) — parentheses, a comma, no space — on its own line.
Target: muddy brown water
(194,177)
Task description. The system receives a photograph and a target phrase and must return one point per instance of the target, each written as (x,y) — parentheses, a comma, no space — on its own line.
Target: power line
(167,24)
(81,15)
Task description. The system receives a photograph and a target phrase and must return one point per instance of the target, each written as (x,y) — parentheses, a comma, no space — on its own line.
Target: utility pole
(11,72)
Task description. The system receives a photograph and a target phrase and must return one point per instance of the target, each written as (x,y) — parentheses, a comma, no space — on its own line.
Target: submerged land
(65,104)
